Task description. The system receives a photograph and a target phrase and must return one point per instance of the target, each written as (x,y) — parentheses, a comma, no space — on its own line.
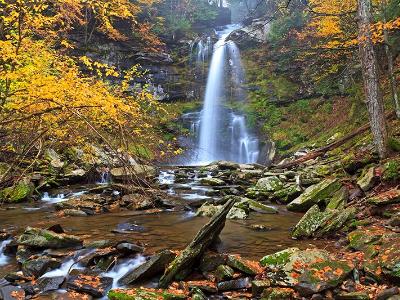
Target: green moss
(17,193)
(279,259)
(140,294)
(394,144)
(391,170)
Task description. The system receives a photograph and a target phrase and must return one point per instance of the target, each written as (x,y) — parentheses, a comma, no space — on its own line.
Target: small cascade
(3,257)
(53,199)
(122,269)
(105,177)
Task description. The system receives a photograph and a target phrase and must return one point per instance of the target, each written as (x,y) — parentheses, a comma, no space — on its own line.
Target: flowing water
(156,229)
(218,132)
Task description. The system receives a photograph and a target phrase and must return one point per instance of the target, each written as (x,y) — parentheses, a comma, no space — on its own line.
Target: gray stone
(314,195)
(270,184)
(154,266)
(42,238)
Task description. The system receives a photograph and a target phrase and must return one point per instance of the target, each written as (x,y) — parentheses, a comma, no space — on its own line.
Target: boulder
(228,165)
(270,184)
(339,199)
(154,266)
(96,286)
(54,159)
(42,238)
(10,292)
(259,207)
(310,222)
(287,194)
(318,223)
(21,191)
(208,210)
(210,181)
(237,213)
(133,172)
(279,259)
(211,261)
(320,276)
(314,195)
(148,294)
(224,272)
(353,296)
(46,284)
(74,213)
(37,267)
(243,265)
(368,179)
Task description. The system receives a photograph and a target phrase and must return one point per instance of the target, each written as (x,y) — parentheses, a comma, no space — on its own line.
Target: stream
(156,229)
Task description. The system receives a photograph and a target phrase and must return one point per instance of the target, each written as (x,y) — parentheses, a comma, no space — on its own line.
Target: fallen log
(321,151)
(192,253)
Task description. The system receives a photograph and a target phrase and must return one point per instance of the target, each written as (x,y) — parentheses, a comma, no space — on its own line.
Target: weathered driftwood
(321,151)
(184,262)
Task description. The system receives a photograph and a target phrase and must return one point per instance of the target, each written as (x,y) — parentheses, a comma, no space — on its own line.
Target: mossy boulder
(339,199)
(42,238)
(210,181)
(279,259)
(224,272)
(353,296)
(146,294)
(208,210)
(315,194)
(287,194)
(237,213)
(19,192)
(37,267)
(243,265)
(321,276)
(337,221)
(389,256)
(368,179)
(310,222)
(259,207)
(210,261)
(270,184)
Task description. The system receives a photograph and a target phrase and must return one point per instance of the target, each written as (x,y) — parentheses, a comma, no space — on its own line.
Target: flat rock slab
(237,284)
(10,292)
(154,266)
(95,286)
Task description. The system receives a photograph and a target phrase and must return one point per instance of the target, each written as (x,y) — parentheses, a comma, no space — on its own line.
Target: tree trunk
(389,55)
(370,73)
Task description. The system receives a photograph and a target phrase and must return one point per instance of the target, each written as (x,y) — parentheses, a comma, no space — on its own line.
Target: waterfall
(222,134)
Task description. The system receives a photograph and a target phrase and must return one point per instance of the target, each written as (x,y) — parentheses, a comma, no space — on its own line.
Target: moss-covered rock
(19,192)
(208,210)
(359,239)
(368,179)
(310,222)
(224,272)
(259,207)
(287,194)
(258,286)
(42,238)
(314,195)
(353,296)
(237,213)
(339,199)
(243,265)
(321,276)
(337,221)
(209,181)
(132,172)
(270,184)
(146,294)
(278,259)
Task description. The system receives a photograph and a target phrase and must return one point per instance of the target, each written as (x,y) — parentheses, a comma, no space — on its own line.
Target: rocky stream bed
(250,233)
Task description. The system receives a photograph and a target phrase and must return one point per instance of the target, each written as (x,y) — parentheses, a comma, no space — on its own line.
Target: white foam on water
(60,197)
(3,258)
(118,271)
(64,269)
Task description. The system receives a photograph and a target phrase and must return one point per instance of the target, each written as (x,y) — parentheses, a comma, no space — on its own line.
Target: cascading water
(222,134)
